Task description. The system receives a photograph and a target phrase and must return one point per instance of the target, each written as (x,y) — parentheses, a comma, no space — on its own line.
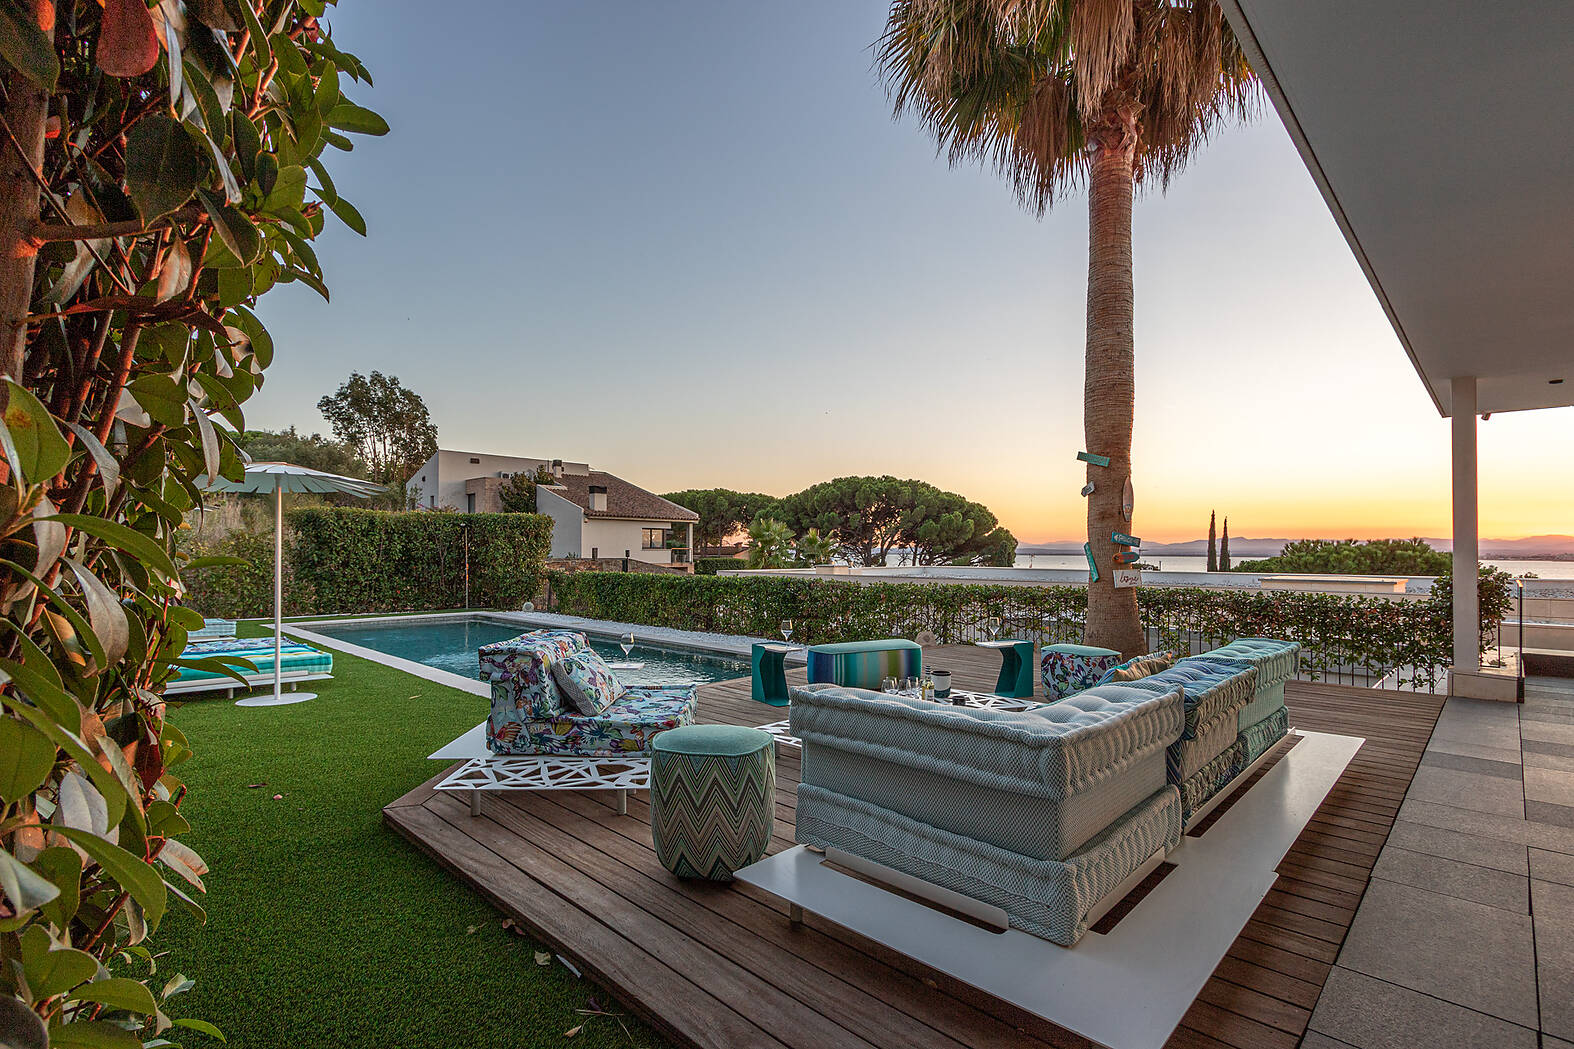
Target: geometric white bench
(482,770)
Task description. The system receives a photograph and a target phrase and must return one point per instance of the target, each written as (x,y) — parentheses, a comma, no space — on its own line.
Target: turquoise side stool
(712,798)
(1069,669)
(1016,668)
(770,673)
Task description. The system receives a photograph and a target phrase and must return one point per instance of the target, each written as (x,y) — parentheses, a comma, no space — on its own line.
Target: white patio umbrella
(279,478)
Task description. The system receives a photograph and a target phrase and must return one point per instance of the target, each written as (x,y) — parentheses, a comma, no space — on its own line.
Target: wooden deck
(719,966)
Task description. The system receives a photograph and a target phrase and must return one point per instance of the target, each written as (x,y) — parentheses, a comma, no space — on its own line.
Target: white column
(691,546)
(1467,617)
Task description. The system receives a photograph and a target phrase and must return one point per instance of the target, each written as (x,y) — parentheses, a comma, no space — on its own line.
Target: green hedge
(712,565)
(1346,637)
(352,560)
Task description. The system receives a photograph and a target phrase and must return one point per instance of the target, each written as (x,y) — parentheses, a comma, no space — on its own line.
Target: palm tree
(768,543)
(1052,94)
(814,548)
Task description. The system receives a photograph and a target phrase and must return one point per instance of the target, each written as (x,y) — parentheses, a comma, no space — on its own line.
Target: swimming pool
(451,645)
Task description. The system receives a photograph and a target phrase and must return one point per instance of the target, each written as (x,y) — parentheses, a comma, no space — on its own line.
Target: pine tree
(1213,542)
(1224,548)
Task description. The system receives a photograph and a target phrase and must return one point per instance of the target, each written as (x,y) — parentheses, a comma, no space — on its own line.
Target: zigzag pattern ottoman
(712,798)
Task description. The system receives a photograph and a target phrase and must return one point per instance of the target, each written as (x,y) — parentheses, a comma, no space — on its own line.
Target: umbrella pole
(278,587)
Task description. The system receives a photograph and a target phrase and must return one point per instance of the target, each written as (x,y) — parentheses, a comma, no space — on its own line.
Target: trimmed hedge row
(355,561)
(1344,636)
(712,565)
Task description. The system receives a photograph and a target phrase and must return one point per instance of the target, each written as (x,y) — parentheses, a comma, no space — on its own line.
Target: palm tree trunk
(1109,390)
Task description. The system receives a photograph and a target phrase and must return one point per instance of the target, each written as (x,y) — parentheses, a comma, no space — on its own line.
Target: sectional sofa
(1042,813)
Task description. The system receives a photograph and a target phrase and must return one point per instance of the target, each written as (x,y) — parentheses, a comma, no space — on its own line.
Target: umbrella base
(281,700)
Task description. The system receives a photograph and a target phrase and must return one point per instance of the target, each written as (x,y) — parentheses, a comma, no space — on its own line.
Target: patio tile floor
(1465,935)
(1466,881)
(1374,1014)
(1418,939)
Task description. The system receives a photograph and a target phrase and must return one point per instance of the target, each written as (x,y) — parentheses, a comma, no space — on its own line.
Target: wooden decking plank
(688,1011)
(827,957)
(861,1013)
(676,949)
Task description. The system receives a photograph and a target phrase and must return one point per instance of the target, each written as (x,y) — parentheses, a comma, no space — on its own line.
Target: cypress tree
(1213,542)
(1224,548)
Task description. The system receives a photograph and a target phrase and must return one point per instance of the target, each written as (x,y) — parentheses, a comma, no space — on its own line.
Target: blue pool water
(452,645)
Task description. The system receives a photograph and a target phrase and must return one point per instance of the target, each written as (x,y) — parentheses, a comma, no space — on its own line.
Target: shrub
(356,560)
(712,565)
(1343,635)
(239,591)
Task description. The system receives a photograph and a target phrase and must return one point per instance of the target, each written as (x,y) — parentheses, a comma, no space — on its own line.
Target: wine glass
(626,643)
(992,625)
(910,684)
(786,629)
(888,684)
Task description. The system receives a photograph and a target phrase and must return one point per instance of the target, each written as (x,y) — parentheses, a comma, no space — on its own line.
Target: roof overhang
(1441,136)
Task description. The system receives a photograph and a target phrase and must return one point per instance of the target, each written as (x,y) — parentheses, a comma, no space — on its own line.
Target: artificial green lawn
(326,928)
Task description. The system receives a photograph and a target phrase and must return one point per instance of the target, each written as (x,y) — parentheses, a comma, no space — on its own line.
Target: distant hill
(1536,547)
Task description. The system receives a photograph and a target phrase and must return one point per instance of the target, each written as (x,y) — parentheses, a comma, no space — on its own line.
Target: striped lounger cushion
(294,658)
(1276,663)
(1047,898)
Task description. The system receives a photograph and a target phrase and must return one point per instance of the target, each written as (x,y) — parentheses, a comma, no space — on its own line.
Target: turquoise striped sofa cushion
(862,664)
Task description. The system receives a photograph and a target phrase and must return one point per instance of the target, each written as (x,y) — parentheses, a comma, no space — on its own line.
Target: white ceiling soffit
(1441,135)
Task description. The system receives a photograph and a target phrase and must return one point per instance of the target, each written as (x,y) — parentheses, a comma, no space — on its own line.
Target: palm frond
(1016,84)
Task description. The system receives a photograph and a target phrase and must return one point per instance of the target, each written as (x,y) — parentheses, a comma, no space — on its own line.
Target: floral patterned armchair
(531,716)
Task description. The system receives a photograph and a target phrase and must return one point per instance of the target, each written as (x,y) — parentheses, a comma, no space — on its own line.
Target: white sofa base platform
(1128,987)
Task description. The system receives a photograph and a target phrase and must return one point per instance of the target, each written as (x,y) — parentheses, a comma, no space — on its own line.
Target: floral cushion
(624,729)
(520,673)
(588,685)
(1139,667)
(1069,669)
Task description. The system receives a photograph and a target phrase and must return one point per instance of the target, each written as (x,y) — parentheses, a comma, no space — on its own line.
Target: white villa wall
(568,522)
(612,537)
(441,481)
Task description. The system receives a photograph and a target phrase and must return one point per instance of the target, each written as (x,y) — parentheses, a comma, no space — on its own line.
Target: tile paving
(1465,935)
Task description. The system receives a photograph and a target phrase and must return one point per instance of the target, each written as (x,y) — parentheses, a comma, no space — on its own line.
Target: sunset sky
(687,243)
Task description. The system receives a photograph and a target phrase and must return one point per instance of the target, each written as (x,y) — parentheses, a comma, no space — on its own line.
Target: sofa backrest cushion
(520,672)
(1139,667)
(588,685)
(1051,751)
(1276,661)
(1212,690)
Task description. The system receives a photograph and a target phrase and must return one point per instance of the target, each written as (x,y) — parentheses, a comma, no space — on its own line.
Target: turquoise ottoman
(769,678)
(1069,669)
(861,664)
(712,798)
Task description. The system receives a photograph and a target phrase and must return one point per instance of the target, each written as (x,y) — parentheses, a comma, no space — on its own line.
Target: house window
(474,459)
(469,502)
(653,538)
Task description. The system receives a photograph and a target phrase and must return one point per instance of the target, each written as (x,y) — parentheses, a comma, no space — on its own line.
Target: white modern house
(595,514)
